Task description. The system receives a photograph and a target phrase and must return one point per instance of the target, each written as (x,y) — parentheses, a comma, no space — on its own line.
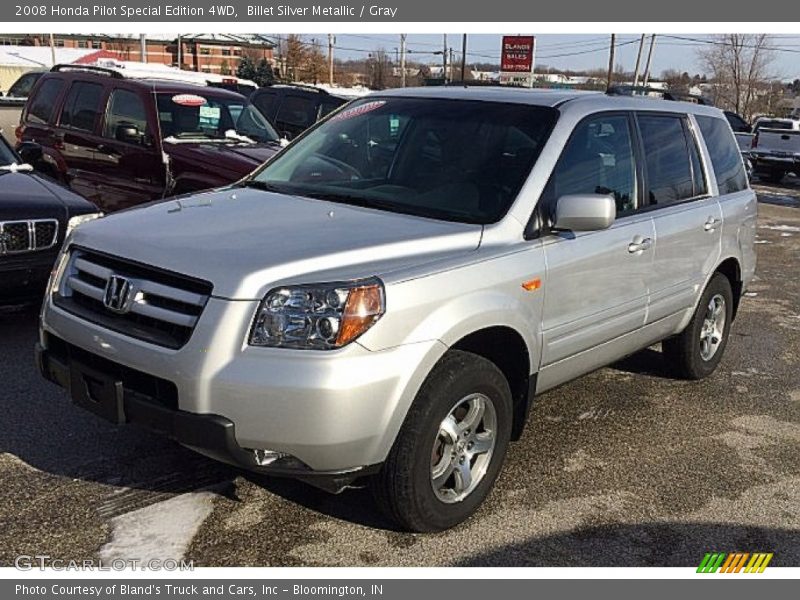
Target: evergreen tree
(264,74)
(246,69)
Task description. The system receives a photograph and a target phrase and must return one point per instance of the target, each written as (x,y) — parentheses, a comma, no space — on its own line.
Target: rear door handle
(712,223)
(639,244)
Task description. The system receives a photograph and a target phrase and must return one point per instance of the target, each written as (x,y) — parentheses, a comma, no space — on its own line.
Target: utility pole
(180,52)
(464,58)
(52,50)
(402,60)
(444,57)
(331,40)
(611,53)
(638,62)
(649,60)
(450,78)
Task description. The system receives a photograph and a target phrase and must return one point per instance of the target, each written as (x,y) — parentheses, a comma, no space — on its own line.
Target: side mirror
(128,133)
(585,212)
(30,152)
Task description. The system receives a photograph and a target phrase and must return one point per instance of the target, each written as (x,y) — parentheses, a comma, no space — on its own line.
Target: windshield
(195,116)
(456,160)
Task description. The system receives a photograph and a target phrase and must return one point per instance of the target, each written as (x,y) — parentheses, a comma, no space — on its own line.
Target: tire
(404,489)
(686,354)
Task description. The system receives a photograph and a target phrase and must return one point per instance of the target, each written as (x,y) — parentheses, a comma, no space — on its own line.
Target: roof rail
(305,86)
(642,90)
(88,68)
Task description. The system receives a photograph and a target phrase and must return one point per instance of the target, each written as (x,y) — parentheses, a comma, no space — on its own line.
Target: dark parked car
(294,108)
(35,215)
(121,141)
(22,87)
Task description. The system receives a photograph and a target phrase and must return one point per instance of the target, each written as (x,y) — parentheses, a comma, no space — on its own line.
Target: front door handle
(639,244)
(712,223)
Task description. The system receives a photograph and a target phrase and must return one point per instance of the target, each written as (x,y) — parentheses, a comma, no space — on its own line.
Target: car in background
(775,149)
(36,213)
(122,140)
(741,129)
(12,102)
(293,108)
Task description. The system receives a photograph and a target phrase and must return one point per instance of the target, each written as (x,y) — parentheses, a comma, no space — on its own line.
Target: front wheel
(696,351)
(451,447)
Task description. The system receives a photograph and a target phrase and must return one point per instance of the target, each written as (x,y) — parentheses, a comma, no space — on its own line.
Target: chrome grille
(159,306)
(27,236)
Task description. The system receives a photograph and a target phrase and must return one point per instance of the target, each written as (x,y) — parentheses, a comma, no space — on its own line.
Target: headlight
(318,317)
(80,219)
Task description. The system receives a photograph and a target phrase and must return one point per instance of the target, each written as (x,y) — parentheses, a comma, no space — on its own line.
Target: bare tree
(739,68)
(302,60)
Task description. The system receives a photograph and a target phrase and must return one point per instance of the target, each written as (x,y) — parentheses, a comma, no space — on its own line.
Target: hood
(32,196)
(241,157)
(246,241)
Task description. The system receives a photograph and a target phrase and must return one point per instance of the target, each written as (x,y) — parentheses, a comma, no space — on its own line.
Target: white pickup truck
(776,148)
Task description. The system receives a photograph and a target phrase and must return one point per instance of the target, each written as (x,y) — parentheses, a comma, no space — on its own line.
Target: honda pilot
(384,300)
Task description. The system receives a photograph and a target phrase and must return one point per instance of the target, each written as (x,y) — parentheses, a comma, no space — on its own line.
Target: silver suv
(386,296)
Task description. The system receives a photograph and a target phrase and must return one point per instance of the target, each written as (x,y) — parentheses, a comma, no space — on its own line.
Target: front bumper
(24,276)
(211,435)
(335,412)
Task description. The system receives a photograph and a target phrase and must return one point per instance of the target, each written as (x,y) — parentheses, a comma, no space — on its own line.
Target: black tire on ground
(403,489)
(683,352)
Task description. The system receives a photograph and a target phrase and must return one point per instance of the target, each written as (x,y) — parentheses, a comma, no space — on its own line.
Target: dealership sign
(516,59)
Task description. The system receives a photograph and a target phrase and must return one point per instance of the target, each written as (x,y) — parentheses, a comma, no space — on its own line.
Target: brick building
(203,52)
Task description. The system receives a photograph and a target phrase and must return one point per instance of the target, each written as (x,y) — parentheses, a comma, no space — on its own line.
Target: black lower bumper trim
(209,434)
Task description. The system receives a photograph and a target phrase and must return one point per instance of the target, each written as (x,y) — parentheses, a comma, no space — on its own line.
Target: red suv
(121,141)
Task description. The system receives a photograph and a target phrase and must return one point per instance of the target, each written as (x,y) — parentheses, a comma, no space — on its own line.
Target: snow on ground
(160,531)
(785,228)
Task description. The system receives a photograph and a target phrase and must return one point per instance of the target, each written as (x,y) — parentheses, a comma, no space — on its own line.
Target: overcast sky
(565,51)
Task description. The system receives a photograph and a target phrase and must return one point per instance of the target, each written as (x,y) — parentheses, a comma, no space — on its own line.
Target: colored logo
(736,562)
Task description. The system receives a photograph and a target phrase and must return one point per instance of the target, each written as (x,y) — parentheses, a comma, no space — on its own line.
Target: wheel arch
(506,348)
(732,270)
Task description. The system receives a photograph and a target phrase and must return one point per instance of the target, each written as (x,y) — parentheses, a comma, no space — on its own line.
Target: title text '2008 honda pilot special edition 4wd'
(386,296)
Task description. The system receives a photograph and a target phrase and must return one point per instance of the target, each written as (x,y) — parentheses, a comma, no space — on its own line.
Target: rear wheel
(697,350)
(451,446)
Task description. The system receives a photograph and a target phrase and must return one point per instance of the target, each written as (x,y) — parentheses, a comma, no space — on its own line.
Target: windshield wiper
(387,205)
(267,186)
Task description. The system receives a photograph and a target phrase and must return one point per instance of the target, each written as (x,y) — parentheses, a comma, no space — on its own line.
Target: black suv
(294,108)
(36,213)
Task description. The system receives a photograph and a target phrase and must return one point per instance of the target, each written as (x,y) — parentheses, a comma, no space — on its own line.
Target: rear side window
(265,102)
(671,160)
(725,156)
(125,109)
(297,111)
(81,106)
(43,103)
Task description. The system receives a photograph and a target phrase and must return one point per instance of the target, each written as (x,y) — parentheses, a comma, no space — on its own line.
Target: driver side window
(598,159)
(125,108)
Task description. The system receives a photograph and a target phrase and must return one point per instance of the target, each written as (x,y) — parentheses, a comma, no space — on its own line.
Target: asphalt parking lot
(623,467)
